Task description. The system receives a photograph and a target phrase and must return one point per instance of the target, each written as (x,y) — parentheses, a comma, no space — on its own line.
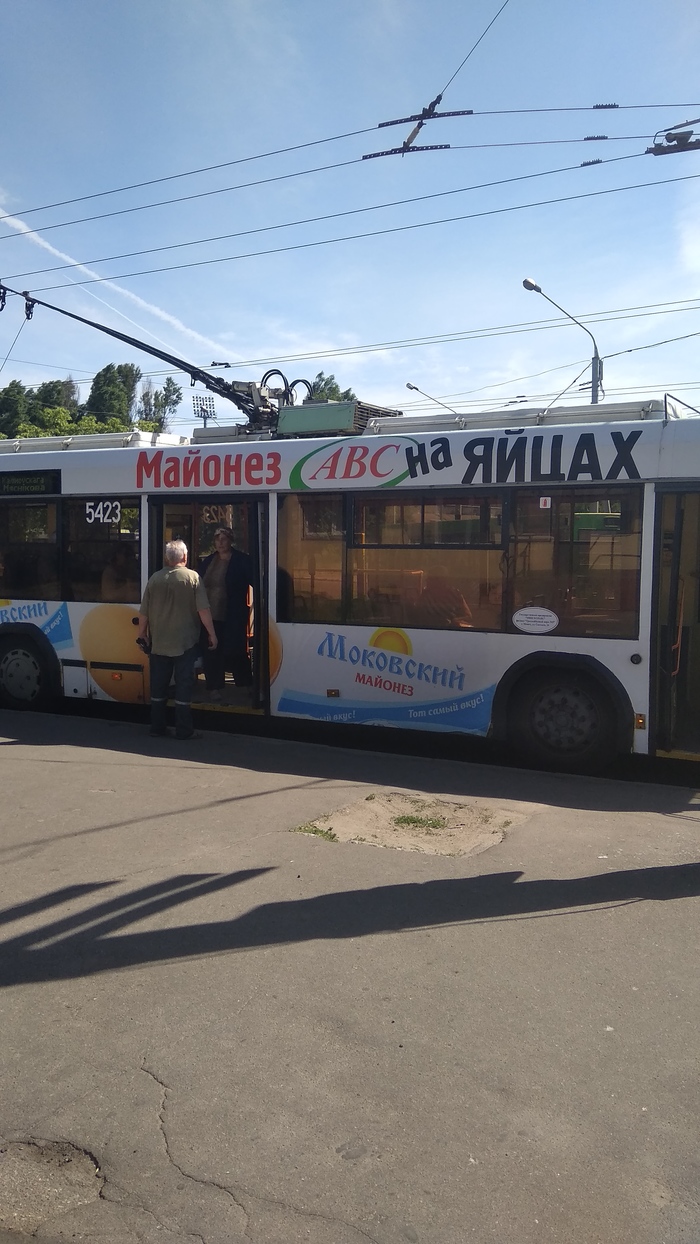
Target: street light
(430,399)
(596,361)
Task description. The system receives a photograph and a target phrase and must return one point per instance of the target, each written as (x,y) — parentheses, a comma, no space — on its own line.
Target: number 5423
(103,511)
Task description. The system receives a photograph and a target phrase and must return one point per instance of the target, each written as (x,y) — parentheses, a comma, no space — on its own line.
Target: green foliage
(46,421)
(114,405)
(326,388)
(109,397)
(310,827)
(420,822)
(55,393)
(13,407)
(166,402)
(157,406)
(129,375)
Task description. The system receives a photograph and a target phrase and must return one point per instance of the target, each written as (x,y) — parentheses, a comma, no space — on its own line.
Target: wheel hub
(20,674)
(565,719)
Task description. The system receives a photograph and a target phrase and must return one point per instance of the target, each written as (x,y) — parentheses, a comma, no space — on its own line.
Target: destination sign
(29,483)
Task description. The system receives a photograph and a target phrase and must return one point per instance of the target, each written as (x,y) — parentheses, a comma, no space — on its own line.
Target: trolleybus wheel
(24,680)
(562,720)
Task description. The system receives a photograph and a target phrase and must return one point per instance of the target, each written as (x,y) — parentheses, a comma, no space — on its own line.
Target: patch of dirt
(41,1179)
(431,824)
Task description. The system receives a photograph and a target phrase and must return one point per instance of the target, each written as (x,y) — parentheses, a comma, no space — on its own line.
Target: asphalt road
(263,1036)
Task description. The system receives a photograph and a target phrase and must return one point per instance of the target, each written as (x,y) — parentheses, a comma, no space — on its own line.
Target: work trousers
(230,654)
(162,670)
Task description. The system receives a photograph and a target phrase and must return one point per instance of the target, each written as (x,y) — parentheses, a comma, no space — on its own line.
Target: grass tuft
(420,822)
(317,831)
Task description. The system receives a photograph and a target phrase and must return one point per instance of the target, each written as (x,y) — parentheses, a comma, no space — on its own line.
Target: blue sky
(100,96)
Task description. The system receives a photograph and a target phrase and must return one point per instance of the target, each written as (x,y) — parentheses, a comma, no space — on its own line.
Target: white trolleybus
(529,576)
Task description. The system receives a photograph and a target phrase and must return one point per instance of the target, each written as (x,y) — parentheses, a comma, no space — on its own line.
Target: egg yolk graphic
(275,651)
(392,639)
(108,638)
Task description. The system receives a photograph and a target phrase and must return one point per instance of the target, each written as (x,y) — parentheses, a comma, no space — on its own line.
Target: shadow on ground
(467,775)
(81,945)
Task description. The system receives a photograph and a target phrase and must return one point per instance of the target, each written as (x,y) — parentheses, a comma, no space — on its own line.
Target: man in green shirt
(174,606)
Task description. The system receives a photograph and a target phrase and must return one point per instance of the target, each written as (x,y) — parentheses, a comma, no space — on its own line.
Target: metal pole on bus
(596,361)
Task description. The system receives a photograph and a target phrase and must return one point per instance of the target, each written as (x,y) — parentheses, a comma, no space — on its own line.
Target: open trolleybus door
(259,510)
(678,612)
(671,603)
(195,521)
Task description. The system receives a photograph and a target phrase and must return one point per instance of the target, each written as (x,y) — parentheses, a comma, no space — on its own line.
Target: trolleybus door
(670,622)
(195,522)
(678,612)
(259,527)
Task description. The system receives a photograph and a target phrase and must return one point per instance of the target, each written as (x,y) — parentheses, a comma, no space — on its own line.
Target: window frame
(508,496)
(62,501)
(423,498)
(570,492)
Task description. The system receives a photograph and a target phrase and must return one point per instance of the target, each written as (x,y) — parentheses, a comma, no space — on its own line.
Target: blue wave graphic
(58,629)
(469,713)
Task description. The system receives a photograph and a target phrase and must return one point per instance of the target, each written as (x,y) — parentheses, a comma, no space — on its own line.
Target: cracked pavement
(269,1038)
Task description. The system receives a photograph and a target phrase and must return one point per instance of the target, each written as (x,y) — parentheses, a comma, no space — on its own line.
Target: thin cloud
(19,225)
(689,232)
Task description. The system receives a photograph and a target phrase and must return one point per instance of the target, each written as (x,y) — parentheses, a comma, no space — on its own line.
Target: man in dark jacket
(227,575)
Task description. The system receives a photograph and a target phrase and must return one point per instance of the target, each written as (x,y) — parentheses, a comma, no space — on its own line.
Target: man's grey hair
(175,552)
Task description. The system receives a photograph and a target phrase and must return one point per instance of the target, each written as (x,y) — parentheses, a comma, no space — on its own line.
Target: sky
(99,97)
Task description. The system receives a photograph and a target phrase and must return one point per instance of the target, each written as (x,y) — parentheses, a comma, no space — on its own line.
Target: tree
(166,402)
(53,408)
(13,407)
(55,393)
(46,421)
(157,406)
(129,375)
(326,389)
(144,410)
(109,397)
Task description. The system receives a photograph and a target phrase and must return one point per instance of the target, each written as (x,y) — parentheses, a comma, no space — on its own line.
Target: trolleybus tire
(24,678)
(562,719)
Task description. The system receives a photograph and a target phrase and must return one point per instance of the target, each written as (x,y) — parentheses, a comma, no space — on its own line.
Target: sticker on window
(535,621)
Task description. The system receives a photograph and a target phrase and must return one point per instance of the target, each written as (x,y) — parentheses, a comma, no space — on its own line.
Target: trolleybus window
(311,550)
(102,550)
(427,561)
(578,553)
(431,561)
(29,551)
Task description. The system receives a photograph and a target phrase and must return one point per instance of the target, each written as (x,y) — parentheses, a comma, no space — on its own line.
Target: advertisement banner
(386,676)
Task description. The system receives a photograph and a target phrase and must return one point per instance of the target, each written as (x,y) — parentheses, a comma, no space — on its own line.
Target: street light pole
(596,361)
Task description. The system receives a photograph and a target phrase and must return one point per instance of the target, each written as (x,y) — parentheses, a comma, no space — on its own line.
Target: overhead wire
(355,211)
(263,155)
(185,198)
(474,47)
(473,409)
(639,311)
(522,112)
(195,172)
(9,352)
(553,142)
(651,345)
(264,181)
(426,224)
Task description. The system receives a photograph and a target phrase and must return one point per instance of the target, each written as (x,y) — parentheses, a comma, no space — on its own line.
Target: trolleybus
(529,576)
